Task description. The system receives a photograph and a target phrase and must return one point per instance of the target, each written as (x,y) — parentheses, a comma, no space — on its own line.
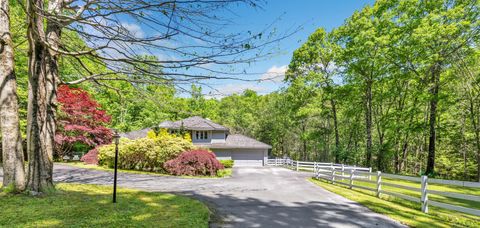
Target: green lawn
(221,174)
(78,205)
(407,212)
(438,187)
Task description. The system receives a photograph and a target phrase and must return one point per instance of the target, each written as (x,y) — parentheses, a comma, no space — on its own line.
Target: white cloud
(134,29)
(236,88)
(275,73)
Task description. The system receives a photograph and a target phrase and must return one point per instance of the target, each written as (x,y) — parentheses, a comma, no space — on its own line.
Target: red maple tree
(80,120)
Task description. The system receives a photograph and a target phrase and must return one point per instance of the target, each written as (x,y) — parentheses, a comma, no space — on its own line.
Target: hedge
(149,153)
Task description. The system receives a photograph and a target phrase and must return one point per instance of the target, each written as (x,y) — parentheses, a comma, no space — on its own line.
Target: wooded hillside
(396,87)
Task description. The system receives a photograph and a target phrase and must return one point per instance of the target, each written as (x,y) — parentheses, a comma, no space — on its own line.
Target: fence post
(314,167)
(297,165)
(379,183)
(343,171)
(352,171)
(333,174)
(369,175)
(276,160)
(424,194)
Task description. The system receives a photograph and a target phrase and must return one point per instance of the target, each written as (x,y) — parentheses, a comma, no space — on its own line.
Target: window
(201,135)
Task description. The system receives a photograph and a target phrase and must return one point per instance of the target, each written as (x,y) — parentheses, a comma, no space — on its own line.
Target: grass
(438,187)
(221,174)
(407,212)
(79,205)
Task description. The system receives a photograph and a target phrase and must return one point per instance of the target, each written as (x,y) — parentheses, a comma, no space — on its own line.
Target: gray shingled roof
(193,123)
(135,134)
(199,123)
(237,141)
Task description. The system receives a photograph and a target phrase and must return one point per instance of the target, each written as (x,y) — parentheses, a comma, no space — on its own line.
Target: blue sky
(308,14)
(287,15)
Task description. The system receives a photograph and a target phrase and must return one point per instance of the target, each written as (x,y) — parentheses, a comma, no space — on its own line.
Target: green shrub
(227,163)
(224,172)
(148,153)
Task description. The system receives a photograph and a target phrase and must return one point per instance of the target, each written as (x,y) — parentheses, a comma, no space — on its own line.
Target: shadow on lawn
(76,205)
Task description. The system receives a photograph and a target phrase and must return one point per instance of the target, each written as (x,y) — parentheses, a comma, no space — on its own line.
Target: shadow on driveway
(253,197)
(252,212)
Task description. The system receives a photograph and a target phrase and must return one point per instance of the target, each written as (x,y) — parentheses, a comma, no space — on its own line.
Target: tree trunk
(476,130)
(435,80)
(403,162)
(52,73)
(12,150)
(335,126)
(304,141)
(381,155)
(40,155)
(368,122)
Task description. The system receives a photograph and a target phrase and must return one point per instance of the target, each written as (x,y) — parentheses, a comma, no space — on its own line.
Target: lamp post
(116,138)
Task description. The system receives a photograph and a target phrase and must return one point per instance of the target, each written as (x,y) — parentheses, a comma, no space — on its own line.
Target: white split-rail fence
(334,172)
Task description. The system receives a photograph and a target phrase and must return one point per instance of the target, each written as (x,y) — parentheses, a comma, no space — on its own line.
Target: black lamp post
(116,138)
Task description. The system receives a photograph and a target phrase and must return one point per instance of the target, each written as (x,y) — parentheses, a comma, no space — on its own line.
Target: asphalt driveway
(253,197)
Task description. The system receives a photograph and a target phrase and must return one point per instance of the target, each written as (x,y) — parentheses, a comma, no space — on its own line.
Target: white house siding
(243,157)
(222,154)
(218,137)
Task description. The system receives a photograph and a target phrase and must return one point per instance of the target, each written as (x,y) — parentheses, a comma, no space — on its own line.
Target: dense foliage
(396,87)
(194,163)
(396,84)
(80,120)
(227,163)
(90,158)
(149,153)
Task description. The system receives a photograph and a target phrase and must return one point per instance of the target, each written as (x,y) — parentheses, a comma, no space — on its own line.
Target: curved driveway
(253,197)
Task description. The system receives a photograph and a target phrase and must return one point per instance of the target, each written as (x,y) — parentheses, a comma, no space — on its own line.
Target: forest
(396,88)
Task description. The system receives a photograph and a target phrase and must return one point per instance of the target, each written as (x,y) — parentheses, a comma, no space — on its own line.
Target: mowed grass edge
(406,212)
(223,173)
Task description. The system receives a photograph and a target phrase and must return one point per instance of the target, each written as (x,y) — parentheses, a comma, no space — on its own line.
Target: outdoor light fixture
(116,138)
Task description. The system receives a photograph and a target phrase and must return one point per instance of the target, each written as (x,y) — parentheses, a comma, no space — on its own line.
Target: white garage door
(247,157)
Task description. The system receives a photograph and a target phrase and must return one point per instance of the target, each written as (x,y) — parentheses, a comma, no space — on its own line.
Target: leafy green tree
(314,62)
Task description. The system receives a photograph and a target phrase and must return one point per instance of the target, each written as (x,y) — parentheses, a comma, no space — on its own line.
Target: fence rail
(338,173)
(304,165)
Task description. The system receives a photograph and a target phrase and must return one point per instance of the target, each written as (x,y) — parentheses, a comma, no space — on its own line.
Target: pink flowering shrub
(90,158)
(194,163)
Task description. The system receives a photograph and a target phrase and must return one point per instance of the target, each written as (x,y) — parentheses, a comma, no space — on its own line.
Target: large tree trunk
(12,151)
(368,122)
(52,73)
(40,154)
(435,83)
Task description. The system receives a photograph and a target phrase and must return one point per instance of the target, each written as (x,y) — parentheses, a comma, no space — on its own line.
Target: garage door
(248,157)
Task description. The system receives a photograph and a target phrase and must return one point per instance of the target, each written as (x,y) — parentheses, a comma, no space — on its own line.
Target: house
(243,150)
